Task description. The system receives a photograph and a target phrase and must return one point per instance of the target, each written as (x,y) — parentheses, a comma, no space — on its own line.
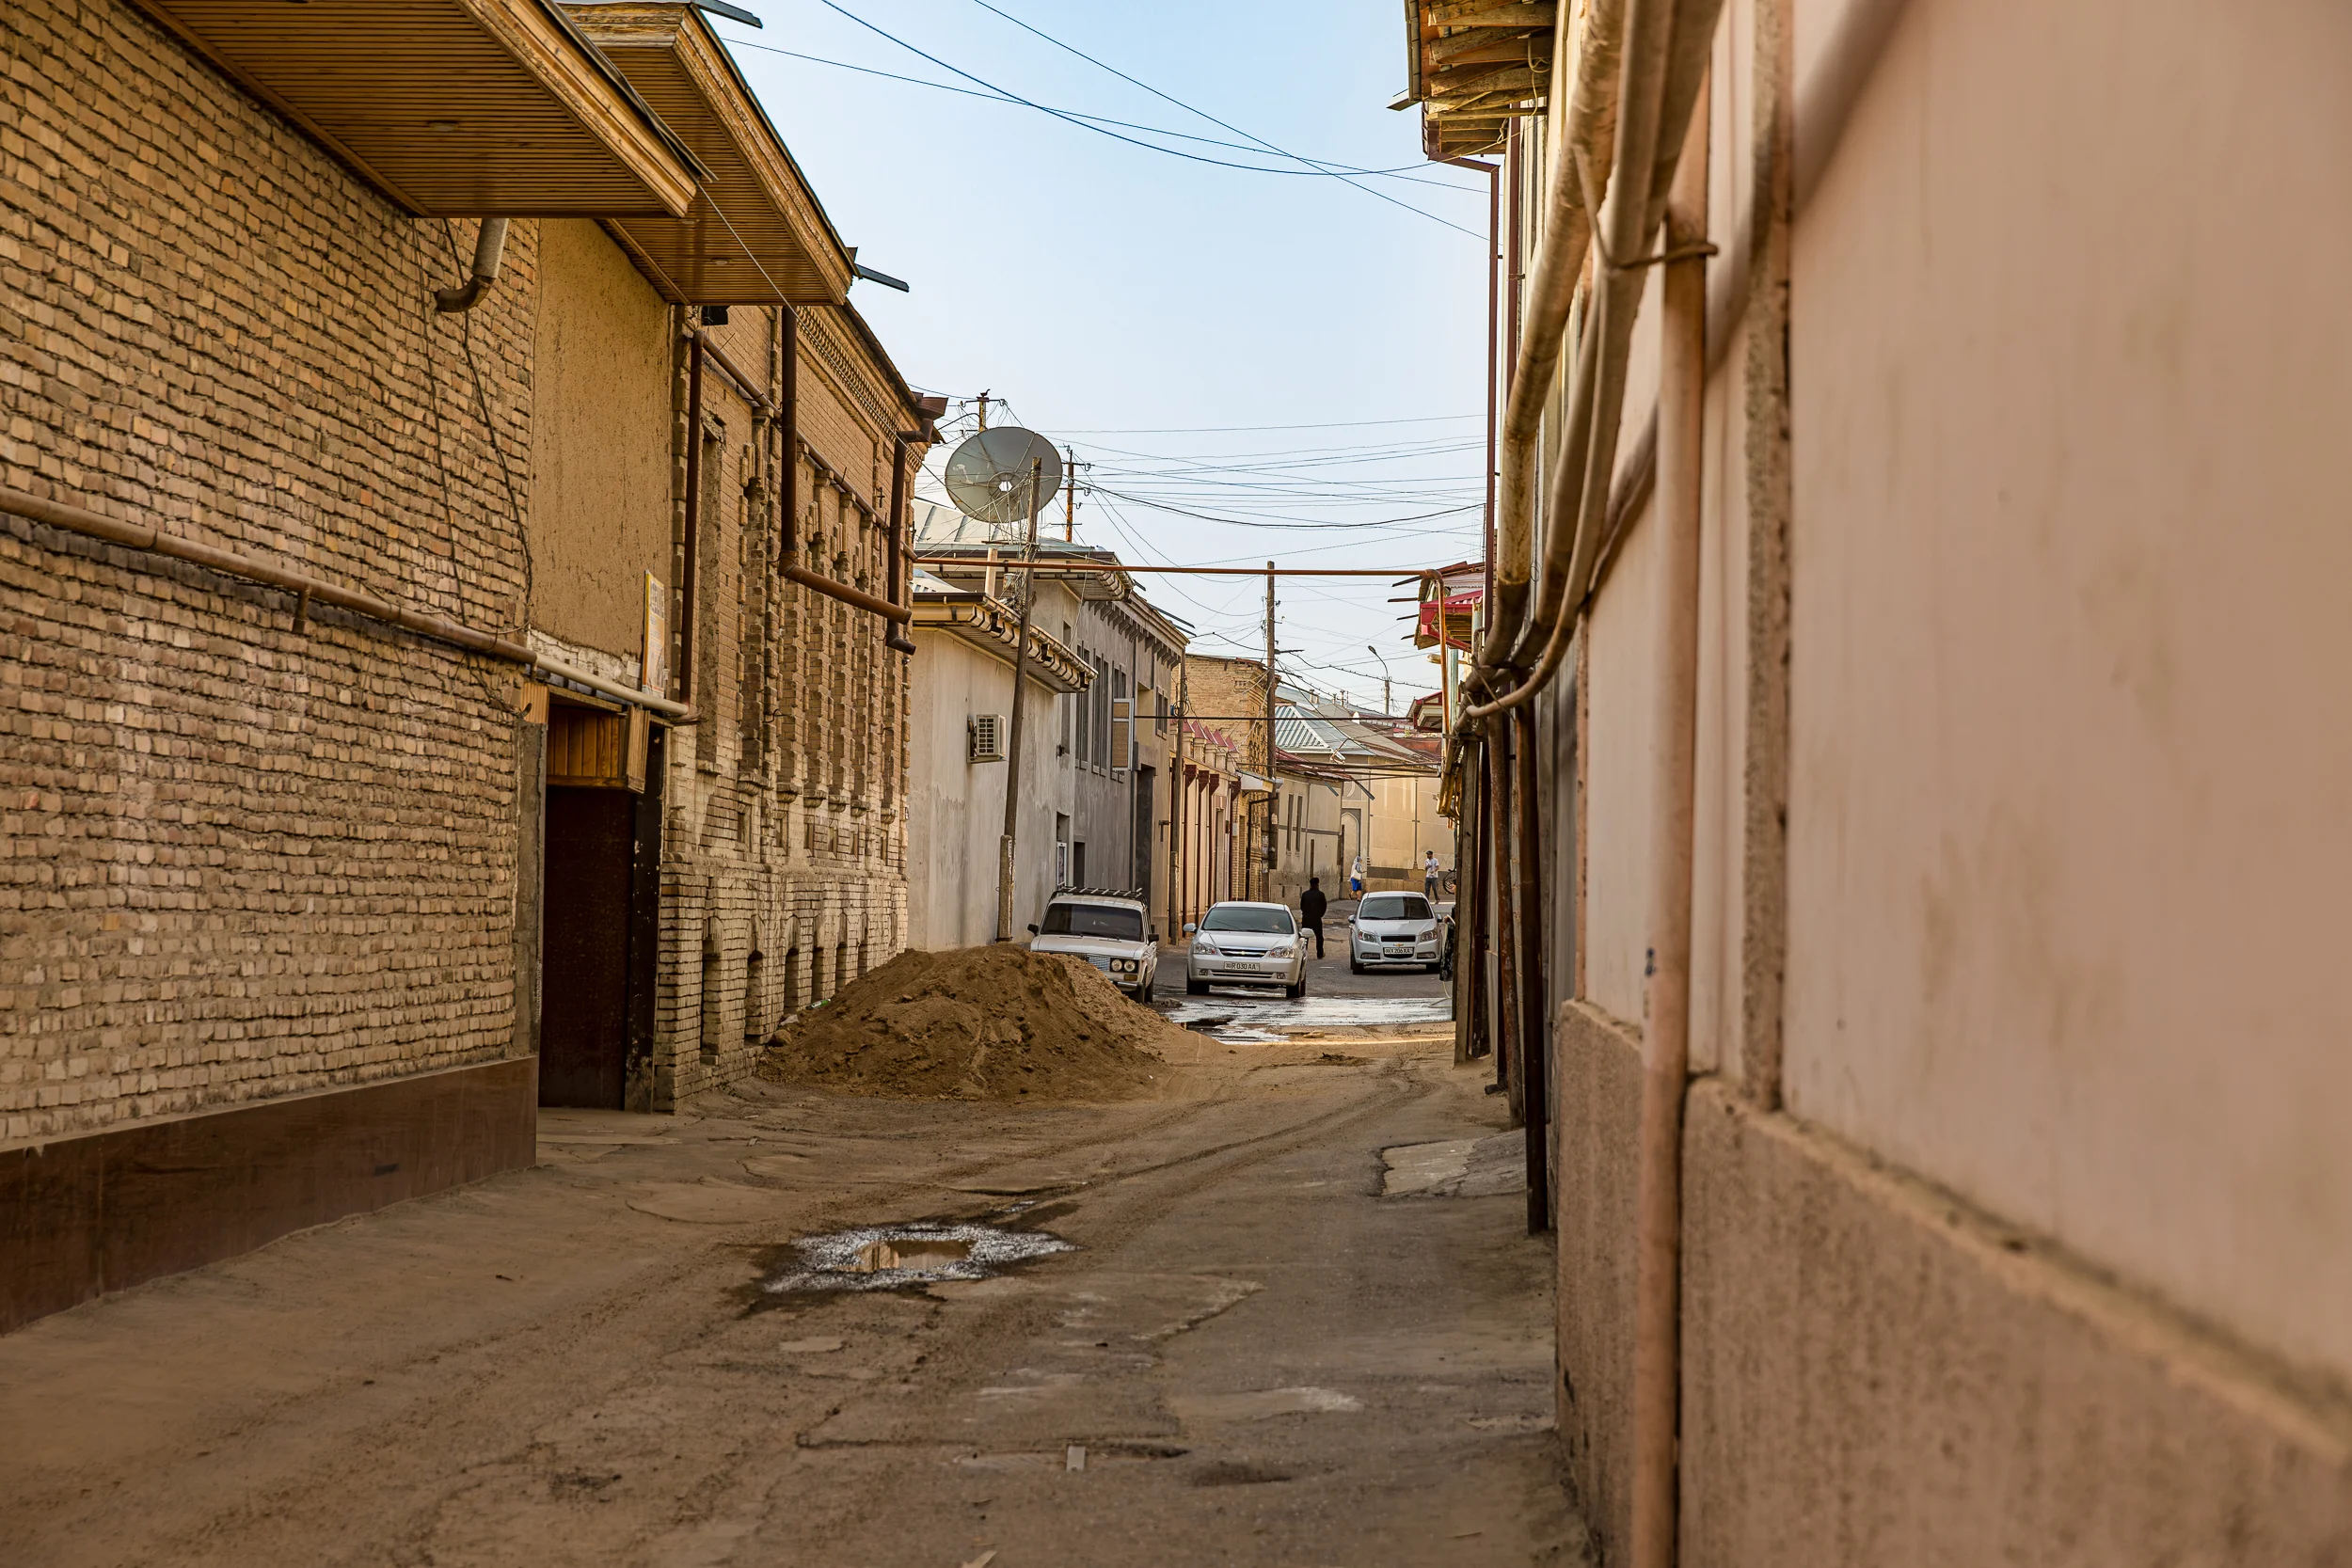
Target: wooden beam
(1466,48)
(1455,95)
(1492,13)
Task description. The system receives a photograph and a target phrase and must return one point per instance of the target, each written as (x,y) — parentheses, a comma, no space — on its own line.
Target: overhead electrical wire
(1204,114)
(1115,135)
(1403,172)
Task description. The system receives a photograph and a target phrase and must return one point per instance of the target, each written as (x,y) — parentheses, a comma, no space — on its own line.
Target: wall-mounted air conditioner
(987,732)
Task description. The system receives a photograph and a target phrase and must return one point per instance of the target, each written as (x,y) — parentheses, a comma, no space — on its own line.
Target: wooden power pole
(1265,860)
(1012,752)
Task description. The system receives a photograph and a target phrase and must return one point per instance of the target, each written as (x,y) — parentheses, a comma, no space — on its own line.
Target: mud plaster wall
(2070,736)
(248,858)
(600,441)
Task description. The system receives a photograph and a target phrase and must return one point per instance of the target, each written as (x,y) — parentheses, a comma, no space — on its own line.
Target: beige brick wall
(783,870)
(242,859)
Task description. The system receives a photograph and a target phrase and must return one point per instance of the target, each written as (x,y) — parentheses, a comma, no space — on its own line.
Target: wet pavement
(1336,999)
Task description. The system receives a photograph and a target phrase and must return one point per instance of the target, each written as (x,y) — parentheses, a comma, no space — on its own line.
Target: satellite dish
(989,475)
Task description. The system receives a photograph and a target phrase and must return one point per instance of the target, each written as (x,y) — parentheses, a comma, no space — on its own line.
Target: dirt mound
(977,1023)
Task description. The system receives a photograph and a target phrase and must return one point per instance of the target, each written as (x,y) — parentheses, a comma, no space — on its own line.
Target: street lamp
(1387,699)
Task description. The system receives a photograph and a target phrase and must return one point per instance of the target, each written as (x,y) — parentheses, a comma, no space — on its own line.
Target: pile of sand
(996,1022)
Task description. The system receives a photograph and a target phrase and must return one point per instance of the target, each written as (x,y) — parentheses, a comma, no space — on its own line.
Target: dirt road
(1249,1355)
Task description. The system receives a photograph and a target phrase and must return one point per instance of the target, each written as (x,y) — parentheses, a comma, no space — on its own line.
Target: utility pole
(1070,497)
(1387,697)
(984,401)
(1266,861)
(1176,811)
(1020,685)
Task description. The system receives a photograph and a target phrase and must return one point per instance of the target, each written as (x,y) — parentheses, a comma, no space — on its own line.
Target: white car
(1245,944)
(1109,930)
(1394,930)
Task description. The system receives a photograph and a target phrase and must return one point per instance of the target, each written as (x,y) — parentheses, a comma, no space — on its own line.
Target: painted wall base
(1874,1372)
(81,1216)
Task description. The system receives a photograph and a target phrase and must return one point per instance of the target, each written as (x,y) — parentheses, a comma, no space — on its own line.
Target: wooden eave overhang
(995,628)
(755,234)
(450,107)
(1474,65)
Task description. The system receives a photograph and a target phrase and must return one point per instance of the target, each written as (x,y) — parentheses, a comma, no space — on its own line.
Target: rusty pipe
(895,638)
(489,248)
(689,572)
(80,521)
(856,597)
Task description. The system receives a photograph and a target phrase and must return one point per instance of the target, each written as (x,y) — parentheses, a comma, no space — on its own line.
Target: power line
(1212,118)
(1236,429)
(1403,172)
(1104,130)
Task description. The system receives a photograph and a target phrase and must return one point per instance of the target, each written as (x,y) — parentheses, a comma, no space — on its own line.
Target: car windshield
(1241,917)
(1093,919)
(1395,906)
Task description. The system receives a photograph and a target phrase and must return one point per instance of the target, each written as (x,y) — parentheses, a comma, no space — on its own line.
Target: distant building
(961,756)
(1113,736)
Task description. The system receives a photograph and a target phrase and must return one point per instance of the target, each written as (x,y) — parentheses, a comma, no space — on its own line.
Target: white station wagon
(1110,930)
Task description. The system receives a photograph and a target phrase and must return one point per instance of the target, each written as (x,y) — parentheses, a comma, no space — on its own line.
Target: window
(1084,702)
(1249,917)
(1395,906)
(1114,921)
(1122,722)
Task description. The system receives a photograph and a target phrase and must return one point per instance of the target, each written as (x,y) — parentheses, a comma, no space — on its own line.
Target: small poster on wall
(654,661)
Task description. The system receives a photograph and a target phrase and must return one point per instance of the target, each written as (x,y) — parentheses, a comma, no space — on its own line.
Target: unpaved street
(1250,1356)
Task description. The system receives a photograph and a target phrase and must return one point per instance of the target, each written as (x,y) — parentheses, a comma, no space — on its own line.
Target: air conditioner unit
(987,732)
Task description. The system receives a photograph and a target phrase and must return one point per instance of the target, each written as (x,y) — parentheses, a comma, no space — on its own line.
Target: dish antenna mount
(990,475)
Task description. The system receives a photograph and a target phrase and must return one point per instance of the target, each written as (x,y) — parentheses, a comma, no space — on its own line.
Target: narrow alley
(1024,784)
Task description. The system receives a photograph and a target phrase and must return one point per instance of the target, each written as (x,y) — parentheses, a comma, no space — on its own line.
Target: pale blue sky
(1106,289)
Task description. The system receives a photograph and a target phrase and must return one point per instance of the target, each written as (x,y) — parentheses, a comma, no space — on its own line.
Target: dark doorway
(583,1028)
(1141,872)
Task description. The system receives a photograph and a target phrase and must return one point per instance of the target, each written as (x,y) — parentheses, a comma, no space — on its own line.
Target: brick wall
(784,861)
(242,857)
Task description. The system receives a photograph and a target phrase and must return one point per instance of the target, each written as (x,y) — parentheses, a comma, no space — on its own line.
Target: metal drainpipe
(789,420)
(489,248)
(1549,291)
(1507,1000)
(894,636)
(1666,1031)
(1535,1017)
(688,572)
(1666,47)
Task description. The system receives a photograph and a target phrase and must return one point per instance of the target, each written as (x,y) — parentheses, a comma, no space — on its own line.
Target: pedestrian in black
(1310,907)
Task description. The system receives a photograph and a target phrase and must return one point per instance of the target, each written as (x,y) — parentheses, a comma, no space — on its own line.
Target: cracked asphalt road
(1249,1357)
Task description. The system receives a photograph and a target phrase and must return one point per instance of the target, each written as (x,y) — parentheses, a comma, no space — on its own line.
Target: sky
(1224,349)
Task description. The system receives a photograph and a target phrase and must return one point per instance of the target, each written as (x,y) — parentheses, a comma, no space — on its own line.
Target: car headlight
(1205,948)
(1284,951)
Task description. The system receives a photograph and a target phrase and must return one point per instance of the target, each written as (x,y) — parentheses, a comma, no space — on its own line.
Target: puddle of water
(1239,1016)
(889,1257)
